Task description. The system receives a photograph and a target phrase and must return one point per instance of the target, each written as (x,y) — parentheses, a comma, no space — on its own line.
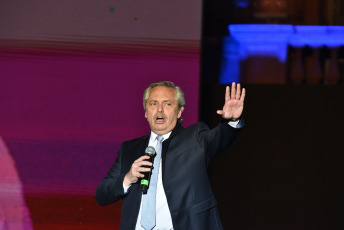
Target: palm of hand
(232,109)
(234,102)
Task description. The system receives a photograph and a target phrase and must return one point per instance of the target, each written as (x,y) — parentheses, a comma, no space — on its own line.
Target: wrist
(234,119)
(126,180)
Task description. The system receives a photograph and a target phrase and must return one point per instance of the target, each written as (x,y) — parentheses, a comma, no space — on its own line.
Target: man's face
(162,110)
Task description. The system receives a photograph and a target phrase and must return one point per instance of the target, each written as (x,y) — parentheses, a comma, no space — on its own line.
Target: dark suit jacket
(186,155)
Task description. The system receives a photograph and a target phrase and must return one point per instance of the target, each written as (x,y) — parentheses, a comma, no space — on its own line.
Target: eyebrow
(170,101)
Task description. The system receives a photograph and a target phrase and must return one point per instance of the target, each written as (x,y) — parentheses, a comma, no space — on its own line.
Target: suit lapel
(140,151)
(165,145)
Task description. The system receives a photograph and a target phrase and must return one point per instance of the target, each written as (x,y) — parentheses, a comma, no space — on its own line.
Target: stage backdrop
(72,75)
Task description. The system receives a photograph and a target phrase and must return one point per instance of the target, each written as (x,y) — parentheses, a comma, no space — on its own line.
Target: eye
(153,103)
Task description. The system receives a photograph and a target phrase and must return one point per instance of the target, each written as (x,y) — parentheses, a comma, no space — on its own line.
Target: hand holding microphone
(141,167)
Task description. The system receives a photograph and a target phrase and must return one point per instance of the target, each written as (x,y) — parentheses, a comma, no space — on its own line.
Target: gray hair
(180,98)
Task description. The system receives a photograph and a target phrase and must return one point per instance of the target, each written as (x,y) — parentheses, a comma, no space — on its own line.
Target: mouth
(159,119)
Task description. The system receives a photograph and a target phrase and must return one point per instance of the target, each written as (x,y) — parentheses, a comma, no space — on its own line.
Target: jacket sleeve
(216,140)
(110,189)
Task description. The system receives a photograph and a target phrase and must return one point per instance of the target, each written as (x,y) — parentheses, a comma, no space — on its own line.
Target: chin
(159,130)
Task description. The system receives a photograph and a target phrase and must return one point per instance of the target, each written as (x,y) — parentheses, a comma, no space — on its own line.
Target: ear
(145,114)
(180,111)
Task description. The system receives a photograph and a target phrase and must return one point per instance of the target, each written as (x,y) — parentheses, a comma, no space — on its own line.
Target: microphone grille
(150,150)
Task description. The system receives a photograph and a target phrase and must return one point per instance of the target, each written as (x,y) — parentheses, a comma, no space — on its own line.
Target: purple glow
(68,107)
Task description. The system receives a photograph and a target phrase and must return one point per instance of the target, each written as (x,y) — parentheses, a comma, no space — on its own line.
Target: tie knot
(160,138)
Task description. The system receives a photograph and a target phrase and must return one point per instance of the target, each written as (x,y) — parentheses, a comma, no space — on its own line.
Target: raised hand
(234,102)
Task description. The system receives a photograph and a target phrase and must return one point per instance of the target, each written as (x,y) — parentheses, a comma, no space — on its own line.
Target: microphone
(150,151)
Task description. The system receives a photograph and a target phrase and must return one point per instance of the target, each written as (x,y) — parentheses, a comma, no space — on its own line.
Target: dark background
(285,170)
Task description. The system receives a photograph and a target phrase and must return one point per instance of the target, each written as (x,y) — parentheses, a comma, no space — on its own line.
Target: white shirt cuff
(234,124)
(125,188)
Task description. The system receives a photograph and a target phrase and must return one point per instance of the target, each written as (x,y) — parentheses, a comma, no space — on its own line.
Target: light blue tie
(148,212)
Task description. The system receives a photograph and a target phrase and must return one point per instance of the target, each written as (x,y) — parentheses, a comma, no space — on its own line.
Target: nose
(160,108)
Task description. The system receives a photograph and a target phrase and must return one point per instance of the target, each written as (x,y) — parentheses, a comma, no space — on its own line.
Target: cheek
(149,115)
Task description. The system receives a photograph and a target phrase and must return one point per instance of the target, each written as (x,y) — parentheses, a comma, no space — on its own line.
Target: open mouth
(159,119)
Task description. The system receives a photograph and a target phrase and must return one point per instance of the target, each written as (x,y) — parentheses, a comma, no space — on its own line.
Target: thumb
(220,112)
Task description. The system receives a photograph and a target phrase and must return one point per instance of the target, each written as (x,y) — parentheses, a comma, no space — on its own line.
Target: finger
(238,92)
(145,163)
(140,175)
(243,94)
(227,96)
(142,158)
(145,157)
(144,169)
(220,112)
(141,161)
(233,90)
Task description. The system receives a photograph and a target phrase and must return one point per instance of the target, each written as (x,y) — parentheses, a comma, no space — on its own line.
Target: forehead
(162,92)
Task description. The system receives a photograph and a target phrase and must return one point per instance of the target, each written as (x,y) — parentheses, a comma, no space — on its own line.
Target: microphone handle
(147,175)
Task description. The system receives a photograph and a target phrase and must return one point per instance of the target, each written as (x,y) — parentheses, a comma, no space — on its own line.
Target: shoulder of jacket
(197,126)
(135,140)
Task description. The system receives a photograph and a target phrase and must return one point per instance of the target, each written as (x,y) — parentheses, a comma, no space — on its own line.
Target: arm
(111,188)
(216,140)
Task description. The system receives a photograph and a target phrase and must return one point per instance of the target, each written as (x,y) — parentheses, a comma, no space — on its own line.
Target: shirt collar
(154,135)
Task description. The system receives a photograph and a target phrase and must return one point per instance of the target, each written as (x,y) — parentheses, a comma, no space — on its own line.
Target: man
(181,196)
